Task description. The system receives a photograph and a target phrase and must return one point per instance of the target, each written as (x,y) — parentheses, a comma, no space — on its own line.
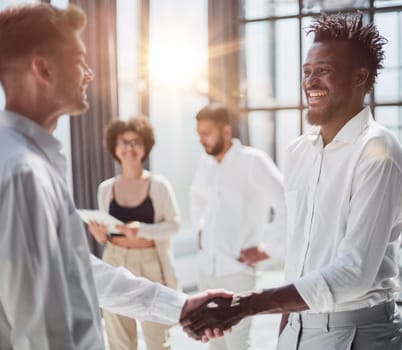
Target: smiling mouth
(316,93)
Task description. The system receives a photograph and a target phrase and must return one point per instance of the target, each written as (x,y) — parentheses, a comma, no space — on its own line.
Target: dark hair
(365,41)
(36,28)
(215,112)
(140,125)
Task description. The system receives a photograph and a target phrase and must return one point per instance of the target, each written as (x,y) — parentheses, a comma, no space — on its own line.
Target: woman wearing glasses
(146,203)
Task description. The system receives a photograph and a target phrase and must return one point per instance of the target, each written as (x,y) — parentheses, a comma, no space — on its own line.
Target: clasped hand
(215,316)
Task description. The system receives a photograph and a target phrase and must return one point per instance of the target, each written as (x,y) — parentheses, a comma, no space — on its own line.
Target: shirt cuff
(315,292)
(168,304)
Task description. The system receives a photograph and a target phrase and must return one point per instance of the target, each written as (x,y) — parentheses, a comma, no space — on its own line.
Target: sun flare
(176,65)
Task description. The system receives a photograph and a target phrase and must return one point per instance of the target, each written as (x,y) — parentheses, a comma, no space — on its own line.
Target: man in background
(234,192)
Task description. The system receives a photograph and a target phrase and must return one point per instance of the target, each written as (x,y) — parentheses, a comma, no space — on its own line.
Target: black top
(144,212)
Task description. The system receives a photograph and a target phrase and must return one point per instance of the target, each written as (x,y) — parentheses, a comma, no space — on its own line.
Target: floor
(264,327)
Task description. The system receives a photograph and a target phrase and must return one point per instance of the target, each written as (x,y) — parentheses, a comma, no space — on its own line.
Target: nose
(311,81)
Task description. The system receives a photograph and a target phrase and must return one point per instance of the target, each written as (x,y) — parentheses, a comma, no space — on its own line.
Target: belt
(381,312)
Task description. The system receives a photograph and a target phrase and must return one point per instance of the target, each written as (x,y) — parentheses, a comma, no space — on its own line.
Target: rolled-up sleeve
(315,292)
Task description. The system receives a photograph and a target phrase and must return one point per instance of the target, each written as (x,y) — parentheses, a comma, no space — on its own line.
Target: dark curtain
(90,162)
(225,39)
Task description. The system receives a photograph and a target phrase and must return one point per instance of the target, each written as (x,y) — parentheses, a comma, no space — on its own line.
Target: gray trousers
(376,328)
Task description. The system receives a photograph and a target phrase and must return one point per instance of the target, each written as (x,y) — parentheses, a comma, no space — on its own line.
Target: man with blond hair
(48,286)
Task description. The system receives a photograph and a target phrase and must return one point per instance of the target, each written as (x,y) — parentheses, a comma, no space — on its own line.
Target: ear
(41,70)
(227,132)
(362,75)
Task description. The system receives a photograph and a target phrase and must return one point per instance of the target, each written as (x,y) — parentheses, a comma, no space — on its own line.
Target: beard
(332,106)
(315,117)
(319,116)
(217,148)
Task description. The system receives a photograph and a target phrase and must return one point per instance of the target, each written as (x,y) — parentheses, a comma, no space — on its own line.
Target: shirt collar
(232,151)
(349,132)
(45,142)
(354,127)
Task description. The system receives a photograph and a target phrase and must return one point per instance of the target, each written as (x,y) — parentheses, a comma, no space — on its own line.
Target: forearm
(159,230)
(224,314)
(283,300)
(121,292)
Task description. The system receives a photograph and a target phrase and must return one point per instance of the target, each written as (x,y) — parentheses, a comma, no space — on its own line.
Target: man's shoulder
(253,153)
(12,143)
(380,141)
(15,154)
(375,130)
(25,168)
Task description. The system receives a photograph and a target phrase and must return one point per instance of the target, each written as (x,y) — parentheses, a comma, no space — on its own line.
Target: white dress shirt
(47,289)
(231,204)
(344,216)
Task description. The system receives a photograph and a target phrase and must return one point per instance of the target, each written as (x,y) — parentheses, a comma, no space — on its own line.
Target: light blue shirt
(48,296)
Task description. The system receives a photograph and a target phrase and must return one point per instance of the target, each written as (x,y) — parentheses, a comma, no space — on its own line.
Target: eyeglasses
(129,143)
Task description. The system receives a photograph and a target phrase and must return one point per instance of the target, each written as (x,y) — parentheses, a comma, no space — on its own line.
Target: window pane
(389,81)
(272,69)
(127,54)
(264,8)
(390,117)
(317,5)
(388,87)
(307,40)
(60,3)
(384,3)
(287,57)
(128,99)
(273,131)
(7,3)
(262,130)
(259,66)
(178,58)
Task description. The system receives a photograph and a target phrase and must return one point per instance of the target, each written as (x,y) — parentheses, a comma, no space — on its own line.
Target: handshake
(212,313)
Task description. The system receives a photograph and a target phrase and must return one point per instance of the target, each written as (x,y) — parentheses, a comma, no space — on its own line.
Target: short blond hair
(36,29)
